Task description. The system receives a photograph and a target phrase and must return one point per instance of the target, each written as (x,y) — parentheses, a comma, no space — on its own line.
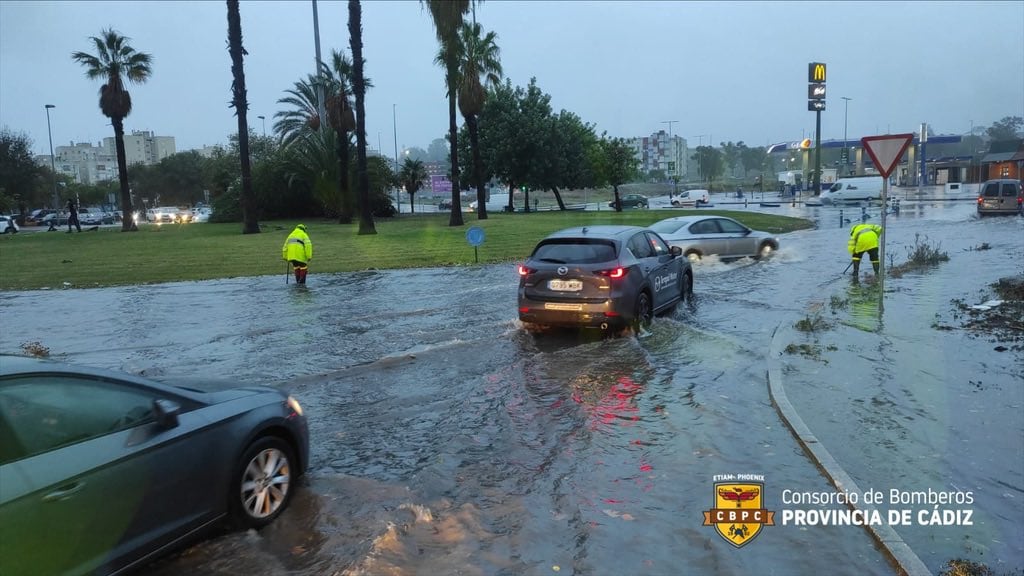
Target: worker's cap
(301,227)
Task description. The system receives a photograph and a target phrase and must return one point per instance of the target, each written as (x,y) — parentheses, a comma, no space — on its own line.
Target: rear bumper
(572,314)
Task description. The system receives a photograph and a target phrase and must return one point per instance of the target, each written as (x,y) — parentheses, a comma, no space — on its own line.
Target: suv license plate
(565,285)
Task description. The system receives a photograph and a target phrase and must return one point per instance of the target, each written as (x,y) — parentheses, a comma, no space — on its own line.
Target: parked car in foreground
(631,201)
(101,472)
(8,225)
(1003,196)
(699,236)
(601,277)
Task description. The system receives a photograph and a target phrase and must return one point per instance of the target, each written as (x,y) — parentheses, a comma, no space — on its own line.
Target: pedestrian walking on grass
(298,250)
(73,216)
(864,238)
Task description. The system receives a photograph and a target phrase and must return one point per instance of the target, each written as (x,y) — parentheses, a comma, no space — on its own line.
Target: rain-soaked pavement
(445,440)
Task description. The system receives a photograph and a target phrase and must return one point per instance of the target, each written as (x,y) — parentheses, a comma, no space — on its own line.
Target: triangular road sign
(886,151)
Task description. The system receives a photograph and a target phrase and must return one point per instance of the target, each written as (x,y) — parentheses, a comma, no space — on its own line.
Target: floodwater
(446,440)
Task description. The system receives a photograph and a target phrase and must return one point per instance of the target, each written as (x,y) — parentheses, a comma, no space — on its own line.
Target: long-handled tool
(286,272)
(847,267)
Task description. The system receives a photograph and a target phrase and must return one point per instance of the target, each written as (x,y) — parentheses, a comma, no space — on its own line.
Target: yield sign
(886,151)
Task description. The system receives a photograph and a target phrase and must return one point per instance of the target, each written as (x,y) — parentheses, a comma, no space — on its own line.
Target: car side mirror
(166,413)
(676,251)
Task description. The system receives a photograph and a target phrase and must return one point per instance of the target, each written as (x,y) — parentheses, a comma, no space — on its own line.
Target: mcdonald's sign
(816,72)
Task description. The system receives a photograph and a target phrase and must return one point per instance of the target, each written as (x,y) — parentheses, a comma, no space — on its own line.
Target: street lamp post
(394,124)
(700,143)
(264,119)
(846,151)
(53,166)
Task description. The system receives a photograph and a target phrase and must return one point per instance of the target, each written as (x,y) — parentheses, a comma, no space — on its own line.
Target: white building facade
(88,164)
(661,152)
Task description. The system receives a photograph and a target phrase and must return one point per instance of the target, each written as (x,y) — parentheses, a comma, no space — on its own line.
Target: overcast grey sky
(732,70)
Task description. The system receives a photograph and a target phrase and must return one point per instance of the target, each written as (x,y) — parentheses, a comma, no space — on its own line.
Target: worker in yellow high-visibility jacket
(298,249)
(864,238)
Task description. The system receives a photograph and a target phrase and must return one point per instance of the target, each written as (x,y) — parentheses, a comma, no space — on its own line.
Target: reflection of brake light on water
(615,406)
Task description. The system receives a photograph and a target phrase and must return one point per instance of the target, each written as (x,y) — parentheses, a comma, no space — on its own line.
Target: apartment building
(660,152)
(88,164)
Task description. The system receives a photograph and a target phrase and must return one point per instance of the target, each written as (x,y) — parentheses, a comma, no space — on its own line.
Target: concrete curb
(899,553)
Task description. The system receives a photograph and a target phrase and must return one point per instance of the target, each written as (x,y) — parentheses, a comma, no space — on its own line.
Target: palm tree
(355,39)
(343,120)
(447,16)
(411,176)
(477,55)
(117,62)
(239,101)
(304,116)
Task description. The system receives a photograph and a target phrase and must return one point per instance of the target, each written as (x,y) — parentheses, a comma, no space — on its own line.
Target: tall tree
(448,18)
(1009,128)
(18,173)
(411,177)
(239,101)
(355,35)
(117,62)
(478,56)
(343,121)
(302,117)
(620,165)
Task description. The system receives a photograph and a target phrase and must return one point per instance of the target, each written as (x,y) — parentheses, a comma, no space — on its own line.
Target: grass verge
(169,253)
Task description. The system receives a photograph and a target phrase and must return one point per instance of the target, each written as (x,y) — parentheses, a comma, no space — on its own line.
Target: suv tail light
(981,199)
(613,272)
(524,271)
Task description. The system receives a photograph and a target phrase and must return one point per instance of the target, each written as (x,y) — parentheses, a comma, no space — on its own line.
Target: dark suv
(601,277)
(1000,197)
(631,201)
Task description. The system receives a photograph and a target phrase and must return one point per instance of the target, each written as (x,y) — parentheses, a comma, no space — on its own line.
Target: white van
(498,202)
(853,190)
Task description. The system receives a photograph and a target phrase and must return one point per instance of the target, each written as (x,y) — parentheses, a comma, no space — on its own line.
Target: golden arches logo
(816,72)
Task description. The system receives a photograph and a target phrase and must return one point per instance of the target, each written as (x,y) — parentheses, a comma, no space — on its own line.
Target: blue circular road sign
(475,236)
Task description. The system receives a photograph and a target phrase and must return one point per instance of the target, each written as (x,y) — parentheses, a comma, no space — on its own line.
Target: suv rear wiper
(553,260)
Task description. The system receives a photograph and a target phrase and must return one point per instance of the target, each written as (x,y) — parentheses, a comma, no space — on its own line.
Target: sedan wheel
(687,290)
(693,255)
(263,484)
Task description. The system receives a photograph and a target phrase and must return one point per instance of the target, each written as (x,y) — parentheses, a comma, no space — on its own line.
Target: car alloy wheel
(263,484)
(644,312)
(693,255)
(687,291)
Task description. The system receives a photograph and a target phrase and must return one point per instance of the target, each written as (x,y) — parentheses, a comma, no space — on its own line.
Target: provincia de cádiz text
(901,508)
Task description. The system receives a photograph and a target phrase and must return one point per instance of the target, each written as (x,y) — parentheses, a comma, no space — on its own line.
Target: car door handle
(64,492)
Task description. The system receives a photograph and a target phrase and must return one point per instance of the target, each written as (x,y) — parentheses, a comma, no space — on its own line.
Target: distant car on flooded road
(101,472)
(700,236)
(601,277)
(1000,197)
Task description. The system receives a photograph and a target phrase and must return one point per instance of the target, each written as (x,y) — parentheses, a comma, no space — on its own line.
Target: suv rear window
(991,190)
(575,252)
(1009,190)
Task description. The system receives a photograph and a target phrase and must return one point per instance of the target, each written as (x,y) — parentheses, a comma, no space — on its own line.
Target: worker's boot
(874,264)
(856,271)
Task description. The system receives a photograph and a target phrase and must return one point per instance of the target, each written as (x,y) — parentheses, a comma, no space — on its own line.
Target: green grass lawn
(109,257)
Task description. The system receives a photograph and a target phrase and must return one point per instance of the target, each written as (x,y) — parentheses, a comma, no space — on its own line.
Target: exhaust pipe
(604,325)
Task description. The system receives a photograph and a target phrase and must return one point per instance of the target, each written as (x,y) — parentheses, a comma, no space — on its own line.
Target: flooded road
(445,440)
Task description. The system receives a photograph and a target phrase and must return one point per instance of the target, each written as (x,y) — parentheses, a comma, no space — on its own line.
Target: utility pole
(398,189)
(319,77)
